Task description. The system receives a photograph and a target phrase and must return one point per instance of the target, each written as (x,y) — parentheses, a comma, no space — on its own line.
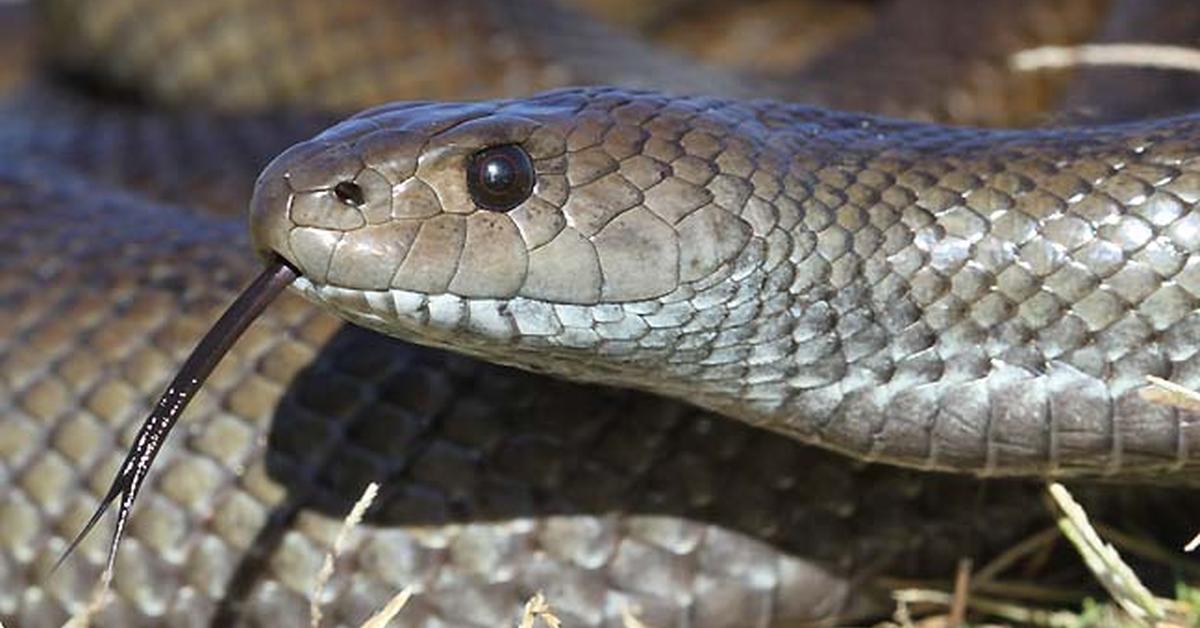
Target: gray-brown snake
(1001,269)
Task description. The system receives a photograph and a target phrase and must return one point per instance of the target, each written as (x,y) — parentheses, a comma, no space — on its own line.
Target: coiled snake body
(945,298)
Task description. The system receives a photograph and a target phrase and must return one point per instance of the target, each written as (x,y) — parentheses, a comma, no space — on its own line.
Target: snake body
(499,483)
(945,298)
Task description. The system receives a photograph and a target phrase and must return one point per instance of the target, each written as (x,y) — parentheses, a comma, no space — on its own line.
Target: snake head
(502,223)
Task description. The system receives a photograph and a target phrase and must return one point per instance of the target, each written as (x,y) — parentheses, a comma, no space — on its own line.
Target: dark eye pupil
(498,173)
(500,178)
(349,193)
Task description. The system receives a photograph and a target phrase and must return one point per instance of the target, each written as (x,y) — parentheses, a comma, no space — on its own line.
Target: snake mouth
(277,275)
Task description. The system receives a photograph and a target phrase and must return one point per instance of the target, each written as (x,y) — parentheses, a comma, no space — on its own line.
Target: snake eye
(349,193)
(500,178)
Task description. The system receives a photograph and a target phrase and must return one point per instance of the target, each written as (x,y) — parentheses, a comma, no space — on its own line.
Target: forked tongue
(195,370)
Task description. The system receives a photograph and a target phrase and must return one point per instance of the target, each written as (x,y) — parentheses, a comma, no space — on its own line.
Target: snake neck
(965,300)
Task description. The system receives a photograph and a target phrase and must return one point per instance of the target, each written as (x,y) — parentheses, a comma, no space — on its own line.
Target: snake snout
(268,216)
(307,199)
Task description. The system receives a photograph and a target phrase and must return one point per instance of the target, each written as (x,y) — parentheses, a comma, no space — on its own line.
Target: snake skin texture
(497,483)
(163,155)
(122,189)
(927,59)
(248,55)
(767,37)
(943,298)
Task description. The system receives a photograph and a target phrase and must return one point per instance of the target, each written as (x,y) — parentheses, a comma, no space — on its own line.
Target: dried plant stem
(348,524)
(1103,560)
(1119,54)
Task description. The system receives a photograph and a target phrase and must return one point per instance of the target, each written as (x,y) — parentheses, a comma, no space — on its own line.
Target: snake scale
(946,298)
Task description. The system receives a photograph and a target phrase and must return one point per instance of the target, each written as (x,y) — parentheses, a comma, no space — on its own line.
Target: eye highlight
(500,177)
(349,193)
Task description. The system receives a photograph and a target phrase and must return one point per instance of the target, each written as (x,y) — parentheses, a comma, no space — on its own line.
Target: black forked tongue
(153,433)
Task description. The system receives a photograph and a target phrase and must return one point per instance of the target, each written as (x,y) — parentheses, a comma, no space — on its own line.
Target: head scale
(547,224)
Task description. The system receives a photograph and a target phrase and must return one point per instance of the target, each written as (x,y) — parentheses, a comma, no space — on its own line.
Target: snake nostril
(349,193)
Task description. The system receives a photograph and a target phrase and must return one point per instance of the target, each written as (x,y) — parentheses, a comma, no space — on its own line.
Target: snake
(941,298)
(947,299)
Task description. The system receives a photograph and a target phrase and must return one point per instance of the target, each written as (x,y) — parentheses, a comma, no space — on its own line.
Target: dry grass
(1104,561)
(629,618)
(537,608)
(100,598)
(389,611)
(339,544)
(1130,55)
(1131,603)
(1170,394)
